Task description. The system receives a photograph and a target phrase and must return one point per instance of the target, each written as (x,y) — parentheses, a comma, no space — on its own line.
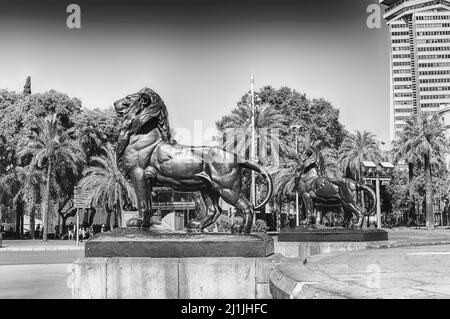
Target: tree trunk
(116,215)
(21,224)
(62,227)
(412,204)
(108,217)
(45,211)
(92,215)
(429,214)
(119,212)
(278,217)
(61,218)
(19,213)
(86,217)
(32,224)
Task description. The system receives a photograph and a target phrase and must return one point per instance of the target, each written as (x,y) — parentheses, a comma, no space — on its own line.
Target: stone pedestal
(174,278)
(304,250)
(137,263)
(305,234)
(131,242)
(301,242)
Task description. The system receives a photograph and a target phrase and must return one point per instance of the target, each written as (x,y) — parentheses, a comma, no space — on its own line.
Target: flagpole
(253,146)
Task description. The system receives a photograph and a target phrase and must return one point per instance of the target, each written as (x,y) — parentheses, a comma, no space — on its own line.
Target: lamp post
(440,204)
(296,128)
(253,146)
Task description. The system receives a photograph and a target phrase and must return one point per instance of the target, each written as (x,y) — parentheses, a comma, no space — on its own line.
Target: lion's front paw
(135,222)
(194,225)
(237,228)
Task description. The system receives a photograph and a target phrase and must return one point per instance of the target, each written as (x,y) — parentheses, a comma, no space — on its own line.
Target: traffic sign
(81,199)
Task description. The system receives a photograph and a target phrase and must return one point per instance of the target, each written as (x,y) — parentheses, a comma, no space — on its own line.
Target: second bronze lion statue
(150,156)
(314,187)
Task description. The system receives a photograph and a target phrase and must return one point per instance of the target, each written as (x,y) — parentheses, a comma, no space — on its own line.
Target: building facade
(420,59)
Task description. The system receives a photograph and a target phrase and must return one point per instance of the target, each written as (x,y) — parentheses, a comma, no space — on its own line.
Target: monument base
(137,242)
(174,278)
(302,242)
(139,263)
(306,234)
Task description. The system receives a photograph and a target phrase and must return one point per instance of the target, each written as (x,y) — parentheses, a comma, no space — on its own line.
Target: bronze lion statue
(150,156)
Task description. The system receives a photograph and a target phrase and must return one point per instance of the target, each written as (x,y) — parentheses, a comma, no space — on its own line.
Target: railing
(174,205)
(395,5)
(417,6)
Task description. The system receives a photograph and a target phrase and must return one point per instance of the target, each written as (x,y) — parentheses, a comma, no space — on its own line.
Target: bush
(260,227)
(223,225)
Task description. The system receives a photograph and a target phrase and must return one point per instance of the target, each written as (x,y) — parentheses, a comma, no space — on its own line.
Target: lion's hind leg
(353,208)
(213,210)
(243,206)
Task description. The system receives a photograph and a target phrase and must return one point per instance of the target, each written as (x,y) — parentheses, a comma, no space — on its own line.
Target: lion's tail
(372,193)
(266,175)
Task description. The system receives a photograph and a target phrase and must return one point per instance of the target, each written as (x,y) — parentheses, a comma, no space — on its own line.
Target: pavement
(33,269)
(37,274)
(416,265)
(406,237)
(35,281)
(39,245)
(398,237)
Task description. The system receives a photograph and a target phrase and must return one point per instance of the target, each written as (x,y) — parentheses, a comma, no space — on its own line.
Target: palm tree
(285,179)
(355,149)
(30,191)
(50,147)
(266,117)
(424,136)
(240,123)
(412,160)
(107,185)
(6,182)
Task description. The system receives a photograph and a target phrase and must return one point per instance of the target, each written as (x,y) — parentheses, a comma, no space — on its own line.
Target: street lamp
(253,145)
(296,128)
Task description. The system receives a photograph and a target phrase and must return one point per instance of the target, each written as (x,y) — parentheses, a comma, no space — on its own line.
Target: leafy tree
(48,149)
(424,136)
(356,148)
(285,109)
(108,186)
(316,118)
(94,129)
(21,115)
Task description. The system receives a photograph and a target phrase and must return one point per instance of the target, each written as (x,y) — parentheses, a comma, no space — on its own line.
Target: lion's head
(133,104)
(312,157)
(138,110)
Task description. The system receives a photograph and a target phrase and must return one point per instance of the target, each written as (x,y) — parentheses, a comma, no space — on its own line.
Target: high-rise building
(420,58)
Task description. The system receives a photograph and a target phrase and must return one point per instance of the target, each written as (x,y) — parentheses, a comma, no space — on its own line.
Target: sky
(199,55)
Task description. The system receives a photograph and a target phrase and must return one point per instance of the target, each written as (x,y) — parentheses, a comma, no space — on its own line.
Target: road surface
(36,275)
